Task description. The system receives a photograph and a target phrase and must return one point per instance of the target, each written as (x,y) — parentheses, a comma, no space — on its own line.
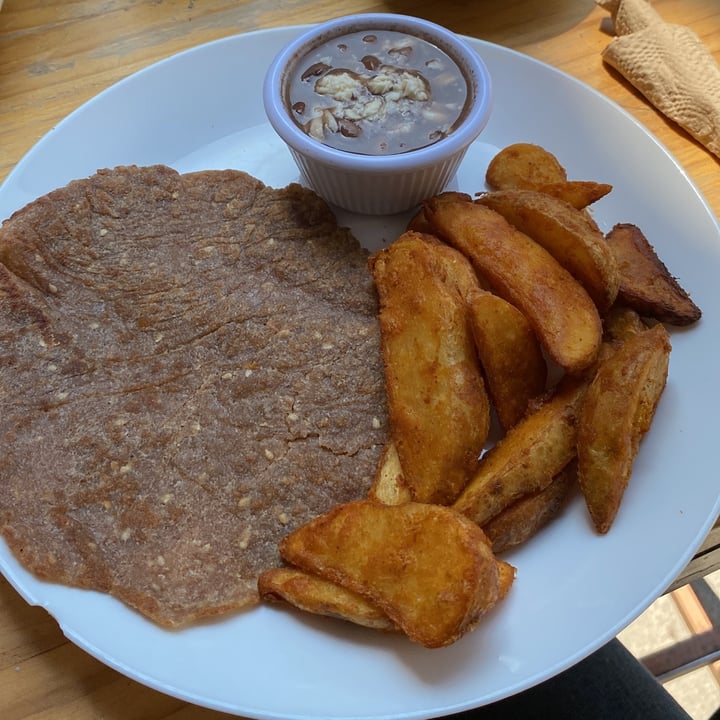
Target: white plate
(574,590)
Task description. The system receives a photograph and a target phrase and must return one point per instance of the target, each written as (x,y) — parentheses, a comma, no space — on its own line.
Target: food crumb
(244,539)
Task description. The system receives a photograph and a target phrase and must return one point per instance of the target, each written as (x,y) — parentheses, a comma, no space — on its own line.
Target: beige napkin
(669,65)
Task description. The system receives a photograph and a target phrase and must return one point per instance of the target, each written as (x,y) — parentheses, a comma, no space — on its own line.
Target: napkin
(669,65)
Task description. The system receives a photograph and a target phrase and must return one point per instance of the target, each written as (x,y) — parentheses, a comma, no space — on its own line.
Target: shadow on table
(512,24)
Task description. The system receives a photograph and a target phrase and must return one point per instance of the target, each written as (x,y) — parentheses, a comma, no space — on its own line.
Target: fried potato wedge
(430,570)
(510,354)
(528,457)
(566,234)
(577,193)
(524,165)
(621,323)
(616,413)
(419,223)
(313,594)
(506,578)
(646,285)
(438,408)
(527,516)
(560,311)
(389,484)
(310,593)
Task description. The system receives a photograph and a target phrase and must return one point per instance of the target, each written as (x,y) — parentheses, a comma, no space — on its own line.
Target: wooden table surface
(56,55)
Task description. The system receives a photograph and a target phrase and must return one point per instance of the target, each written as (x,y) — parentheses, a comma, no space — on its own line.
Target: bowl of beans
(377,110)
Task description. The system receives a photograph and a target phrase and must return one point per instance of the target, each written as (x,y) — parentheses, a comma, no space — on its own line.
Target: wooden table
(56,55)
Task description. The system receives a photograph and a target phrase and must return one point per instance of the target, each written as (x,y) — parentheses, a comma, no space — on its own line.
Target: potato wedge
(430,570)
(528,457)
(566,234)
(506,578)
(561,313)
(646,285)
(523,165)
(313,594)
(389,485)
(527,516)
(578,193)
(621,323)
(438,408)
(419,223)
(510,354)
(616,413)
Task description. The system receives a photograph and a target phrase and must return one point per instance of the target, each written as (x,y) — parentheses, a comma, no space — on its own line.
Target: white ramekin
(378,184)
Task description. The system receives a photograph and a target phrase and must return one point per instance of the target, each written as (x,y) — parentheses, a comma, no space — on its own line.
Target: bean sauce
(377,93)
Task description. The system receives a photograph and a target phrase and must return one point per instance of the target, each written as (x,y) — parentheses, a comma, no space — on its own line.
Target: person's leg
(610,684)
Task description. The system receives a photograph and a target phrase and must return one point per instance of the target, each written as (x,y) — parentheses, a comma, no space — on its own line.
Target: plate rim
(114,87)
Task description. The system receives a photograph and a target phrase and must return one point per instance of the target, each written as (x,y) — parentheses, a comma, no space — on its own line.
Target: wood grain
(56,55)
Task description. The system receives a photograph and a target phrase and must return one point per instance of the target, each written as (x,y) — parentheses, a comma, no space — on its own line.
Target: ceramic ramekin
(378,184)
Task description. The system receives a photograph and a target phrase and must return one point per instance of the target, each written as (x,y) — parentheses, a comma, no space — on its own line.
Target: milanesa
(189,369)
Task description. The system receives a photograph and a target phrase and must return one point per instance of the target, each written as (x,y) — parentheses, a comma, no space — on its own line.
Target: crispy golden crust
(622,322)
(527,458)
(616,413)
(560,311)
(566,234)
(524,165)
(506,578)
(389,486)
(310,593)
(527,516)
(510,354)
(429,569)
(313,594)
(438,408)
(419,223)
(578,193)
(646,285)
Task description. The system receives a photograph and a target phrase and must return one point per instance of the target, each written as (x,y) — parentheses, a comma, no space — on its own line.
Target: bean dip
(378,92)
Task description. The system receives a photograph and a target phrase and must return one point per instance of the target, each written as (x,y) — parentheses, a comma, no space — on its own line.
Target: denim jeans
(610,684)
